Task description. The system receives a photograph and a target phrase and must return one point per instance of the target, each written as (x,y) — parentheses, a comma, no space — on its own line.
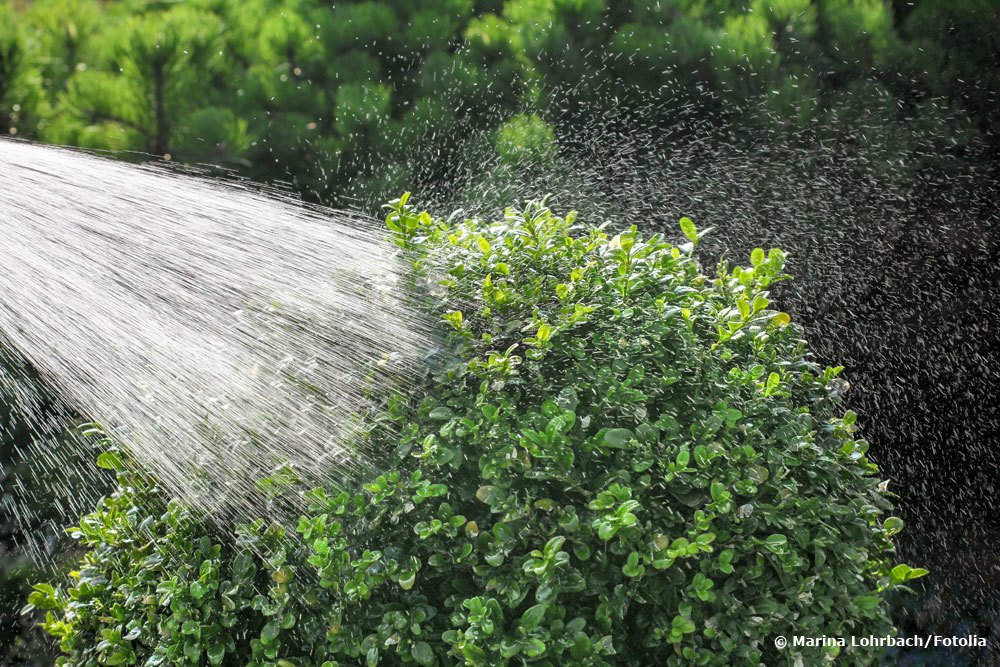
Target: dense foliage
(624,461)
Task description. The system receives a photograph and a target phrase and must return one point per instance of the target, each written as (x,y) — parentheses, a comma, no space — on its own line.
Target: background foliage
(327,97)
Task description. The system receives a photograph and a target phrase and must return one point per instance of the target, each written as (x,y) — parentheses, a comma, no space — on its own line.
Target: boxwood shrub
(614,459)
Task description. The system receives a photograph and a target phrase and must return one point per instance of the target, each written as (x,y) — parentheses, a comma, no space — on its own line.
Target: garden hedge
(617,460)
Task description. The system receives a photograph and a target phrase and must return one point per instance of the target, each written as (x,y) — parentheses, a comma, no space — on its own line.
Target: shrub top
(620,461)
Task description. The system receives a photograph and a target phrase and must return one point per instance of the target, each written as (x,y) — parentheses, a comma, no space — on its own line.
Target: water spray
(217,333)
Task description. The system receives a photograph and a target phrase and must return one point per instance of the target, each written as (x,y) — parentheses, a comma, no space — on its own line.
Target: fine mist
(218,334)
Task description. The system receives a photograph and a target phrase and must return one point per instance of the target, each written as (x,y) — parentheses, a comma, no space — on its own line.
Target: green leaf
(423,653)
(777,543)
(110,461)
(532,617)
(533,647)
(690,231)
(441,413)
(454,318)
(119,657)
(868,602)
(489,494)
(632,567)
(718,492)
(902,573)
(618,437)
(270,631)
(701,455)
(892,525)
(683,458)
(198,590)
(216,652)
(773,380)
(607,530)
(553,545)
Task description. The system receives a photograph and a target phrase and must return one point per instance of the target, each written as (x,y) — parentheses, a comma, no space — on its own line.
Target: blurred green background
(339,98)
